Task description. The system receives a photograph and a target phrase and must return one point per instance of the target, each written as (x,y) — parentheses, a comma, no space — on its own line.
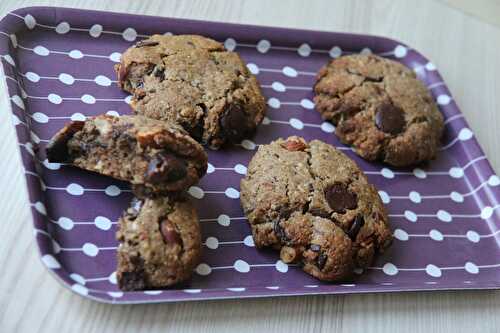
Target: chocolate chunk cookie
(155,156)
(380,108)
(160,243)
(314,204)
(195,82)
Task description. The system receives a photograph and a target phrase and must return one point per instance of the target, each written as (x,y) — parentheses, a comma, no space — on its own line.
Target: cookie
(316,206)
(159,243)
(195,82)
(155,156)
(380,108)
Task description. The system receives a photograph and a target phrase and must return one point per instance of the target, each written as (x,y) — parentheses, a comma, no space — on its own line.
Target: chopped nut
(168,232)
(147,139)
(288,254)
(122,71)
(294,144)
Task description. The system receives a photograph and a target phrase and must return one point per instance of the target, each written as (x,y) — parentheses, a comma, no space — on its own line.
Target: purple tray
(58,65)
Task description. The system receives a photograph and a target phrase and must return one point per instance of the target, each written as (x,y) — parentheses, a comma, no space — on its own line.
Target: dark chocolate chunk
(203,107)
(321,261)
(165,168)
(57,149)
(356,225)
(339,198)
(374,79)
(197,130)
(159,73)
(280,233)
(390,119)
(144,43)
(319,212)
(134,279)
(235,124)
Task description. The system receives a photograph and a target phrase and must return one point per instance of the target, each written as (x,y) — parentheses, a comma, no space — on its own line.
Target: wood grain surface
(465,50)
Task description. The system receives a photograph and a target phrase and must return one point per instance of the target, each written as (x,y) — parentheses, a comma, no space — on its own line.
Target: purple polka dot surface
(58,66)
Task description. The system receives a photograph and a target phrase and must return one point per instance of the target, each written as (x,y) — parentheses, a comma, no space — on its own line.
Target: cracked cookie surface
(159,243)
(155,156)
(316,206)
(196,83)
(380,108)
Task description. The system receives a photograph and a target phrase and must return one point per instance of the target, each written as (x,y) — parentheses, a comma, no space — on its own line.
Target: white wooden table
(466,51)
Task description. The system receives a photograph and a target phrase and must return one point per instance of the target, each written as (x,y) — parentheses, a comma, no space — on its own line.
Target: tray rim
(251,292)
(222,23)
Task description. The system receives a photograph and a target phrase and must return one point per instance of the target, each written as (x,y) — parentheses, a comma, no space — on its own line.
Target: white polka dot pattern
(390,269)
(115,57)
(50,261)
(401,235)
(102,223)
(96,30)
(263,46)
(76,54)
(129,34)
(77,278)
(78,288)
(30,21)
(63,28)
